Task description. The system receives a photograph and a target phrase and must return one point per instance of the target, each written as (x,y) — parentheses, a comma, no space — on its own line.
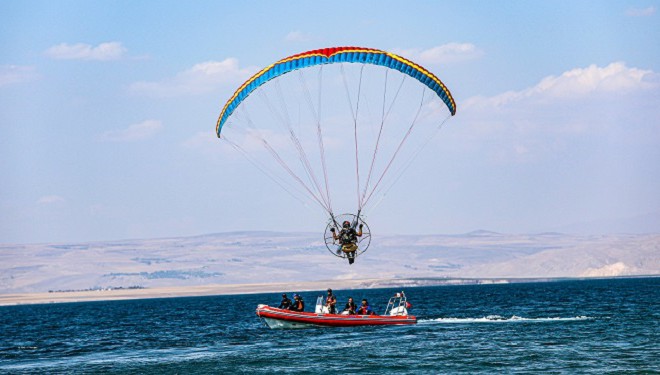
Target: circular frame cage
(334,247)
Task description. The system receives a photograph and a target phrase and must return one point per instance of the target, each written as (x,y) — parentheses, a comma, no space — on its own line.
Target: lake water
(592,326)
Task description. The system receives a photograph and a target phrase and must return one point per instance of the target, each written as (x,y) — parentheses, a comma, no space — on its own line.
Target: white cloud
(134,132)
(297,36)
(82,51)
(50,199)
(204,142)
(544,119)
(201,78)
(641,12)
(577,83)
(443,54)
(249,141)
(12,74)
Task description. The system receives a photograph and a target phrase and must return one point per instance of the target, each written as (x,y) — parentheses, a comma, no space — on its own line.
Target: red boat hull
(279,318)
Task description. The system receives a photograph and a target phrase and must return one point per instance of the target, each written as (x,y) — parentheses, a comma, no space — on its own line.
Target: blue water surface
(564,327)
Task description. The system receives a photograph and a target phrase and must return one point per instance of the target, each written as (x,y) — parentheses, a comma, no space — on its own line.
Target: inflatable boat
(396,313)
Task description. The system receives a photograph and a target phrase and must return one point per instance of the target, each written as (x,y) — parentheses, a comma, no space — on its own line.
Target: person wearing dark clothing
(348,238)
(351,307)
(298,304)
(331,302)
(365,309)
(286,303)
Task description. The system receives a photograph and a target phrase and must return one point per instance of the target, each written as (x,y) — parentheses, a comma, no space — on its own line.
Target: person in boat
(298,304)
(351,307)
(365,309)
(286,302)
(331,302)
(347,238)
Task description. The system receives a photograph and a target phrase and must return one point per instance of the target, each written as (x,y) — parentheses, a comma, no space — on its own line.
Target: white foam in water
(500,319)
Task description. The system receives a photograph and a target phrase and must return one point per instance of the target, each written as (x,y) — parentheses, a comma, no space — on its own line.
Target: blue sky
(108,111)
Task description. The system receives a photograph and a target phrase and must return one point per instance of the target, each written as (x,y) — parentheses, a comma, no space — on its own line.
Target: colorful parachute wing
(336,55)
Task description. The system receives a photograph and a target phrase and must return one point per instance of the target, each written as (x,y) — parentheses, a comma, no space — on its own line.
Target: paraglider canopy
(335,55)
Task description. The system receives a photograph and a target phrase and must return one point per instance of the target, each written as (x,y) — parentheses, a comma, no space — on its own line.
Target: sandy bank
(226,289)
(191,291)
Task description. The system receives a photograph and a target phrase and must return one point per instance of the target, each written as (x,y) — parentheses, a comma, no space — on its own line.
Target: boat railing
(397,305)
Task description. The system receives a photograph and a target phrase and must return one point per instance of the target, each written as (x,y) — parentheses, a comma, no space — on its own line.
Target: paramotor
(341,120)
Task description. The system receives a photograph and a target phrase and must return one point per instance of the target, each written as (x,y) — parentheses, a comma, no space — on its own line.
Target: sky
(108,112)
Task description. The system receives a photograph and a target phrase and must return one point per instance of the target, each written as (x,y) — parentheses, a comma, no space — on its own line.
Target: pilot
(348,238)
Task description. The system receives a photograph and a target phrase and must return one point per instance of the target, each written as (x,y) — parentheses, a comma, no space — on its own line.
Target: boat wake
(499,319)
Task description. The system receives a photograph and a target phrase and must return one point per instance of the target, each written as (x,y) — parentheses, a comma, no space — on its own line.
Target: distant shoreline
(257,288)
